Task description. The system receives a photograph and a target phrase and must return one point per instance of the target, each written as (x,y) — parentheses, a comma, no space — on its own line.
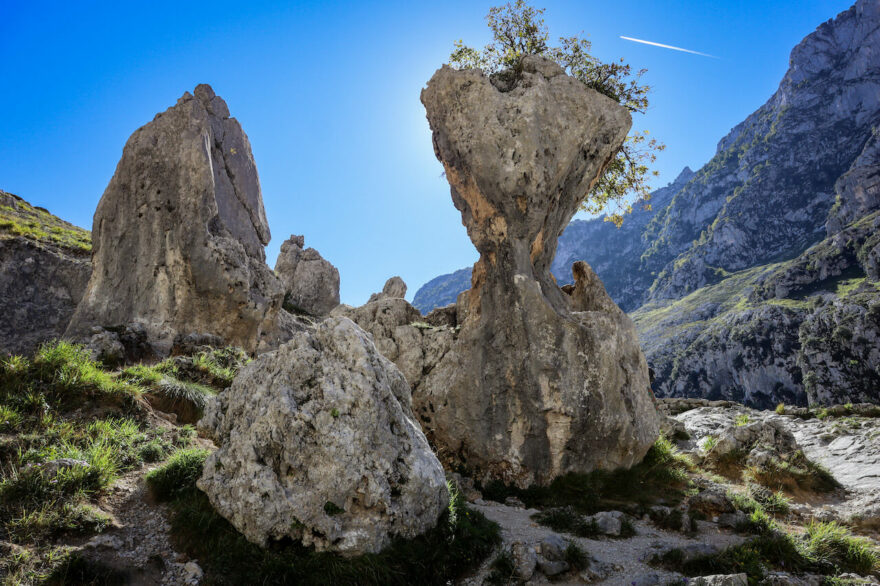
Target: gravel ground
(625,558)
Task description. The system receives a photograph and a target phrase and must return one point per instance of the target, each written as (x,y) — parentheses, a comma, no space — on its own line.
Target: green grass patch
(568,520)
(178,474)
(832,547)
(825,548)
(71,428)
(22,219)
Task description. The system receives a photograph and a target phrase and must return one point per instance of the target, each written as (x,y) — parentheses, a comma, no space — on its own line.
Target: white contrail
(666,46)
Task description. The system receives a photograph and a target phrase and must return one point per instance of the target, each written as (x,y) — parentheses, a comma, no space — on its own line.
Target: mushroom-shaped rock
(178,235)
(311,284)
(317,444)
(531,389)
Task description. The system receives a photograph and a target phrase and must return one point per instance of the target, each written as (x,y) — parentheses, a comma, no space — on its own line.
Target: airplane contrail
(666,46)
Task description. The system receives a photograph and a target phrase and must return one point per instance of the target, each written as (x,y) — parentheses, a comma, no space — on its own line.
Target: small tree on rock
(518,30)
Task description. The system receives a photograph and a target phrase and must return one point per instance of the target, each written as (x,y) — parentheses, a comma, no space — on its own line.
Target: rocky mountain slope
(741,273)
(44,268)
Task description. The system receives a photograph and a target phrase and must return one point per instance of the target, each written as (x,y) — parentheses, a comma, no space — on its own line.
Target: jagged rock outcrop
(718,321)
(317,444)
(44,268)
(803,331)
(400,333)
(766,194)
(311,284)
(394,288)
(178,235)
(525,399)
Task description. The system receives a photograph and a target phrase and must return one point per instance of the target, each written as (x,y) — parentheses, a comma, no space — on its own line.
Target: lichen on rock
(317,444)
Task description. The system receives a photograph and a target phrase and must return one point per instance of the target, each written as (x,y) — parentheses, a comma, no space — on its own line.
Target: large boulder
(44,268)
(531,389)
(178,235)
(311,284)
(317,444)
(402,335)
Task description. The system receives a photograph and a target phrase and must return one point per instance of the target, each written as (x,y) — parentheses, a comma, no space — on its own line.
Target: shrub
(833,547)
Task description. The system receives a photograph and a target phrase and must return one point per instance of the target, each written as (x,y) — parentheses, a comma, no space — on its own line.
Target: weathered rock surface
(178,235)
(401,335)
(525,399)
(716,320)
(614,253)
(311,284)
(43,274)
(394,288)
(846,443)
(801,331)
(317,444)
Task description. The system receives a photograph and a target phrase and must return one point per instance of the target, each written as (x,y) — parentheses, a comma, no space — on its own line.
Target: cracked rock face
(311,284)
(317,444)
(178,235)
(532,388)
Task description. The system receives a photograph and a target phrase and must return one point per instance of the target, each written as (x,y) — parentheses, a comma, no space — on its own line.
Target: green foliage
(826,548)
(832,547)
(518,30)
(742,420)
(567,520)
(62,405)
(178,475)
(709,442)
(780,409)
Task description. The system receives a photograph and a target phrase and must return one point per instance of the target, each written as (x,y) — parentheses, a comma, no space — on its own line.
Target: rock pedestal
(178,235)
(531,389)
(317,444)
(311,284)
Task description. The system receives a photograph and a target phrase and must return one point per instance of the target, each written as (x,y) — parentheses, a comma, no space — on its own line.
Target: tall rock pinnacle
(179,233)
(532,388)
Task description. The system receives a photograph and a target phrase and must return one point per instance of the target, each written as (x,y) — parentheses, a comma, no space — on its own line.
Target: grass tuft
(178,475)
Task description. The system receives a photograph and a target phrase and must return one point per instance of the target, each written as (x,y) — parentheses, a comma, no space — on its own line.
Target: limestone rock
(178,235)
(311,284)
(399,333)
(316,444)
(765,433)
(525,399)
(41,279)
(394,288)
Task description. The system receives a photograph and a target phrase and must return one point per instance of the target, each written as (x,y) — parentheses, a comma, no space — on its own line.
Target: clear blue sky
(329,96)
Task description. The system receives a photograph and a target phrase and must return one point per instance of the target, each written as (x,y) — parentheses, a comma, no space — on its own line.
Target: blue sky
(329,95)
